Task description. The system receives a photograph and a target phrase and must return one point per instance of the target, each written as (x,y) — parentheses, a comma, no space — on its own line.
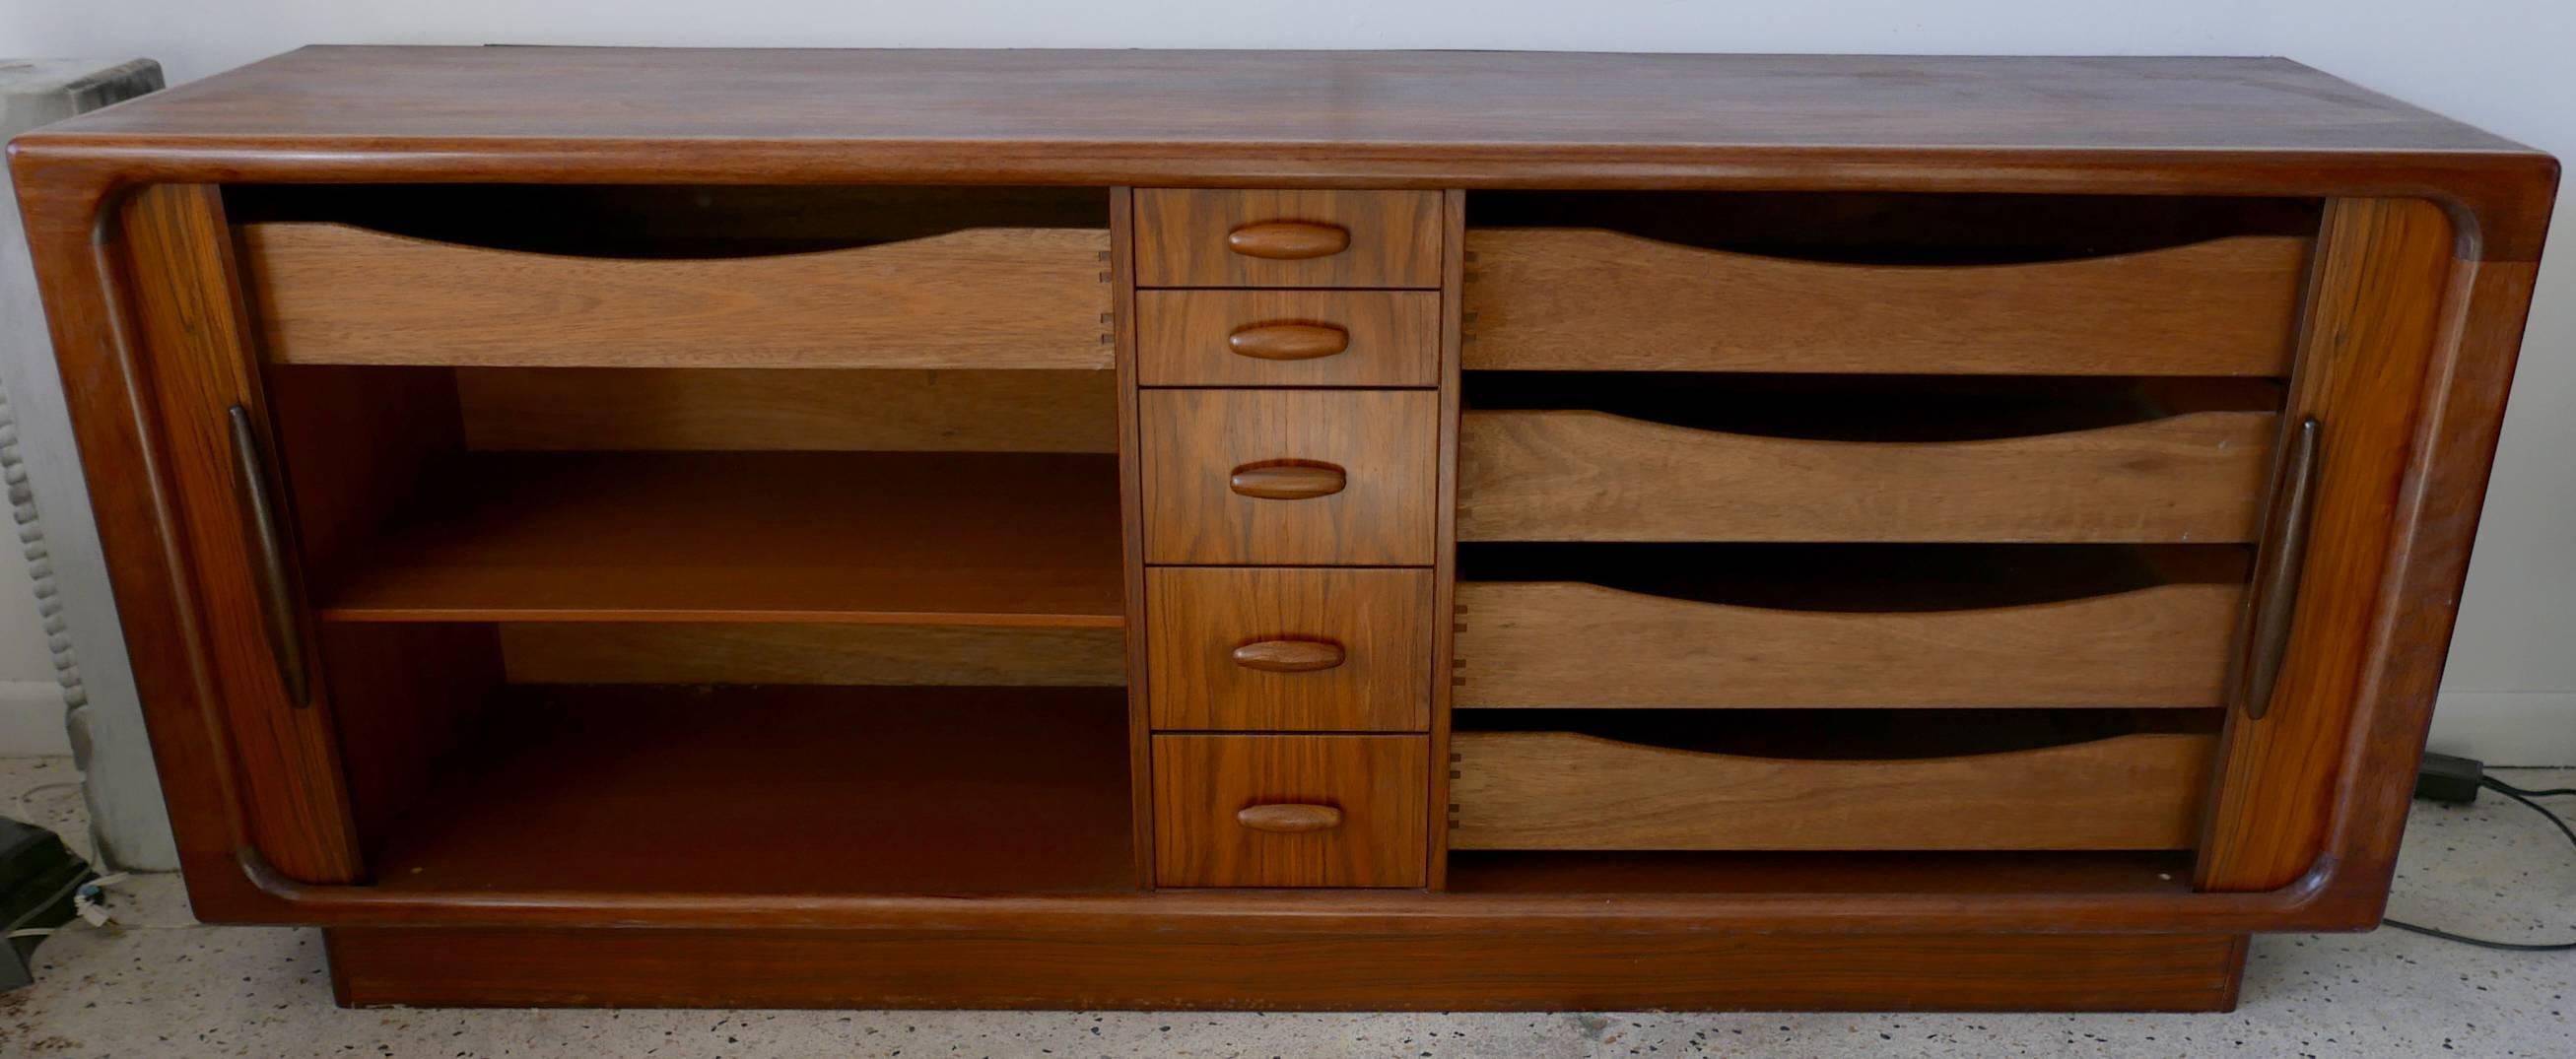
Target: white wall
(2502,64)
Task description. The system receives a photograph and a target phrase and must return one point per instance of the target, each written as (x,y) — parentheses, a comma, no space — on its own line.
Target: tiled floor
(2496,870)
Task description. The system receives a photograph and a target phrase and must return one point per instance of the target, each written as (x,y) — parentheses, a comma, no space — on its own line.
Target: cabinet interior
(713,630)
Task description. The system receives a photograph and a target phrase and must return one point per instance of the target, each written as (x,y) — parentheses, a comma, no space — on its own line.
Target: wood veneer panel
(1589,299)
(979,298)
(188,330)
(1378,622)
(1189,338)
(772,653)
(1564,790)
(775,791)
(1390,238)
(1571,644)
(2374,325)
(888,538)
(1384,441)
(727,409)
(1583,475)
(1374,783)
(1234,969)
(1316,103)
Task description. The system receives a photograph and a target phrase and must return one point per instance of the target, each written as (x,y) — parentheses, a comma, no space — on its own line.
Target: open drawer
(1845,626)
(907,278)
(1786,782)
(1824,283)
(1732,458)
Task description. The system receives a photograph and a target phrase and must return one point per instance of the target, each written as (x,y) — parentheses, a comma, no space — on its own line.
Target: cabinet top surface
(1439,105)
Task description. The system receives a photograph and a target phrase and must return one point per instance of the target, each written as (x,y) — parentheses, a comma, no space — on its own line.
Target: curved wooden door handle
(1288,240)
(1287,480)
(2275,594)
(1289,819)
(1288,341)
(1289,656)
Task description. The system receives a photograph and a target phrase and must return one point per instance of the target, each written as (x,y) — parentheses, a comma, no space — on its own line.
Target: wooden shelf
(1005,539)
(776,790)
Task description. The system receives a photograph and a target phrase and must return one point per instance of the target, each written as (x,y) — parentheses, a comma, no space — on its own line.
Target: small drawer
(1289,649)
(1290,810)
(1287,338)
(1290,477)
(1541,299)
(1543,790)
(1188,238)
(1583,475)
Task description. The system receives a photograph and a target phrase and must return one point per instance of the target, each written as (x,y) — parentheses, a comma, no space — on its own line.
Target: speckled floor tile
(2493,870)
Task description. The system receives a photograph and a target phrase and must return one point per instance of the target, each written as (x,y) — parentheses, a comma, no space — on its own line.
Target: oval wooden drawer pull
(1288,240)
(1290,819)
(1288,341)
(1289,656)
(1287,480)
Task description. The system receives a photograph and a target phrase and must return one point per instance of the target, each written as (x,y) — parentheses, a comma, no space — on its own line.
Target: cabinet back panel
(736,653)
(738,409)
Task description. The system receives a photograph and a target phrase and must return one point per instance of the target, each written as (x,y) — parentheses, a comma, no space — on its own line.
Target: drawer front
(1187,238)
(1592,300)
(1288,338)
(1281,478)
(1289,810)
(1558,644)
(1289,649)
(1584,475)
(980,297)
(1561,790)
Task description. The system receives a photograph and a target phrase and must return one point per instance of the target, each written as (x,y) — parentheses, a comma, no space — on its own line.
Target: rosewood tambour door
(1284,530)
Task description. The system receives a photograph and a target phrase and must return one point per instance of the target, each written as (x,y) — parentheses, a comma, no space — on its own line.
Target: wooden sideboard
(1284,530)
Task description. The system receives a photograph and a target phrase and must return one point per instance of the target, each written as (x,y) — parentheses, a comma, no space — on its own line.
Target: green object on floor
(38,878)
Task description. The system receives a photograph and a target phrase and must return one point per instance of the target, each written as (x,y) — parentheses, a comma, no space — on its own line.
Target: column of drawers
(1287,347)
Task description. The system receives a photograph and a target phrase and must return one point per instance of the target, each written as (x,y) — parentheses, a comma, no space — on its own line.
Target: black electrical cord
(2511,789)
(2525,797)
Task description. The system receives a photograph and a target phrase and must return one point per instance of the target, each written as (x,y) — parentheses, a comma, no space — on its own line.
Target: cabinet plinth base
(653,967)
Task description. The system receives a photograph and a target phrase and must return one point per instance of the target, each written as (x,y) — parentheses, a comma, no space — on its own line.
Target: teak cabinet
(1285,530)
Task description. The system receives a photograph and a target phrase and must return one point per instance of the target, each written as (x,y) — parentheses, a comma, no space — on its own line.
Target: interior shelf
(995,539)
(774,790)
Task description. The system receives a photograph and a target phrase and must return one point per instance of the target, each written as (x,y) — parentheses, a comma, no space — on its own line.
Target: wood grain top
(1312,97)
(1247,119)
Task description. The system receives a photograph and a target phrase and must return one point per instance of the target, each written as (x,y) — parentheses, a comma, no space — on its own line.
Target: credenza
(1284,529)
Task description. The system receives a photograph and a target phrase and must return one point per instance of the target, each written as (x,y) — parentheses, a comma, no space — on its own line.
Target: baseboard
(2507,727)
(32,719)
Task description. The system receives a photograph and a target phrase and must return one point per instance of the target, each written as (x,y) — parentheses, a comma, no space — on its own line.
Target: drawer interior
(1860,578)
(667,221)
(1892,409)
(686,630)
(1902,229)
